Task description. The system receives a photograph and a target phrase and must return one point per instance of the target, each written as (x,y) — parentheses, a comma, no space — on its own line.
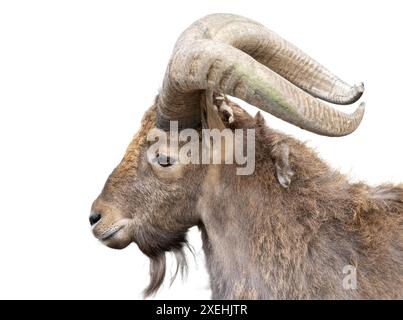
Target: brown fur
(261,240)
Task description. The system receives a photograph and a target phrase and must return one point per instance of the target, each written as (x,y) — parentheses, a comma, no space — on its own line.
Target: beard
(155,244)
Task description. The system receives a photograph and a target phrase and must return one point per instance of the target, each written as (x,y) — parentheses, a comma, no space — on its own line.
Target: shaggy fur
(262,239)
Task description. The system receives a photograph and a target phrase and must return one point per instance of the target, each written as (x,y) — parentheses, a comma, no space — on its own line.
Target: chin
(118,241)
(116,244)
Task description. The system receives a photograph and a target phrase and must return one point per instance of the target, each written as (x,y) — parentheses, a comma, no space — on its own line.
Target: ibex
(294,227)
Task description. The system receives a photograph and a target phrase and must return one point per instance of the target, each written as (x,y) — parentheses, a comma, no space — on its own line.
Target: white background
(75,79)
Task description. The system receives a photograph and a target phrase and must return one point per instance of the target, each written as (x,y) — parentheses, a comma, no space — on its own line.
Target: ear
(259,119)
(212,118)
(284,173)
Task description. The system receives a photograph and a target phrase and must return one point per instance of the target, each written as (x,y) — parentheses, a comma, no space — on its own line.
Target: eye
(164,161)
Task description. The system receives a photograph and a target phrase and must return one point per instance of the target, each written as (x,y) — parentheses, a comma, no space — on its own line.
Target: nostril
(94,218)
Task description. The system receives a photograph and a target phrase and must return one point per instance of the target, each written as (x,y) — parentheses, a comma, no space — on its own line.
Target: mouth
(109,234)
(115,236)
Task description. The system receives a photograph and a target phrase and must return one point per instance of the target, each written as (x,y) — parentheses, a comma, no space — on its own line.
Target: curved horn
(216,52)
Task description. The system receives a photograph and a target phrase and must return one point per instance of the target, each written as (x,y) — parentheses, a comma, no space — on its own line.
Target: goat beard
(158,270)
(155,244)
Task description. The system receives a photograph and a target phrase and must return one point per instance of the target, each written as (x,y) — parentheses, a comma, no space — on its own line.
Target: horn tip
(356,92)
(359,113)
(359,88)
(353,95)
(360,110)
(361,107)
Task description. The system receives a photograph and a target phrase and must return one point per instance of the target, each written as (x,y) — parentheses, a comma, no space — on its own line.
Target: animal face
(148,199)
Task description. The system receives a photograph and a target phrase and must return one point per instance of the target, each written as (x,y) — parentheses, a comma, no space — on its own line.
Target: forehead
(131,157)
